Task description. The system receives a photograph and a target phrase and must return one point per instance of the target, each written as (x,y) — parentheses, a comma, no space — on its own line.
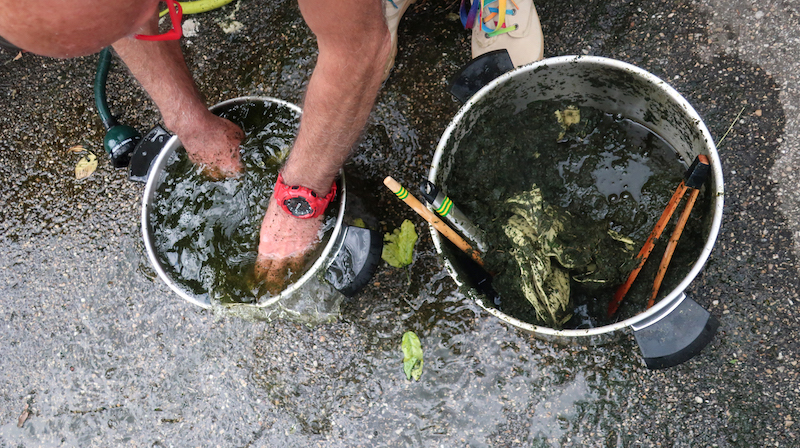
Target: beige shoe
(394,10)
(517,30)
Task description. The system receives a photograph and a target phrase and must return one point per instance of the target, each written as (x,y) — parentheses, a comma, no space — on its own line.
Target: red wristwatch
(301,202)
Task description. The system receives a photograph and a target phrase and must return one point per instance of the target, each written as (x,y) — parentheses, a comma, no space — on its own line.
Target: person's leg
(516,29)
(394,10)
(8,45)
(65,29)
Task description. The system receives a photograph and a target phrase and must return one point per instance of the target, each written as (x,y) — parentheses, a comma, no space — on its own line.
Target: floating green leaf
(399,246)
(412,355)
(566,118)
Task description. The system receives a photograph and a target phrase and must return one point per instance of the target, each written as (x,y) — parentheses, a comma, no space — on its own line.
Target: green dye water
(608,177)
(206,232)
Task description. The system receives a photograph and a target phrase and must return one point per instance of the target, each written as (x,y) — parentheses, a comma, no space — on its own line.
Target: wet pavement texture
(97,351)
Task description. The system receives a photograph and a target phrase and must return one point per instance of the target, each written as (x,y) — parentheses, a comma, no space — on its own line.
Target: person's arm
(161,70)
(354,45)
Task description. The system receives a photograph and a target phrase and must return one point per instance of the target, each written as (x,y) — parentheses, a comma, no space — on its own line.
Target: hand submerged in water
(284,240)
(214,144)
(284,243)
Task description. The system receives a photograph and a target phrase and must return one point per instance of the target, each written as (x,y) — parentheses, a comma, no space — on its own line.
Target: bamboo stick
(429,216)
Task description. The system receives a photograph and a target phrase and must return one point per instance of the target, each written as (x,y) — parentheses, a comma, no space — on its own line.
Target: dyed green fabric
(551,249)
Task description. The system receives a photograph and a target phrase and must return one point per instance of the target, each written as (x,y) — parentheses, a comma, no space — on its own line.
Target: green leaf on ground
(399,247)
(412,355)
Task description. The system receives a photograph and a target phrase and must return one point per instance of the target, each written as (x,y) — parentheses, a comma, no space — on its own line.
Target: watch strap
(288,198)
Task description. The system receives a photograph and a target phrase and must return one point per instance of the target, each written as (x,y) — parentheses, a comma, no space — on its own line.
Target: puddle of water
(118,359)
(346,383)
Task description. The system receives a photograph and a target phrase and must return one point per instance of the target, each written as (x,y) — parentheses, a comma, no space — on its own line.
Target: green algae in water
(610,177)
(206,232)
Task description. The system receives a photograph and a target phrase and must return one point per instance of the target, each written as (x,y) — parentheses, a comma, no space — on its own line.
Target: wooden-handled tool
(444,207)
(473,264)
(695,177)
(429,216)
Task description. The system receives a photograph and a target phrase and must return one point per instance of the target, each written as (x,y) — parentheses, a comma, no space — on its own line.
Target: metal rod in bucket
(444,206)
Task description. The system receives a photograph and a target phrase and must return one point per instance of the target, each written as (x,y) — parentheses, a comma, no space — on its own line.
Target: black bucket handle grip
(480,72)
(675,335)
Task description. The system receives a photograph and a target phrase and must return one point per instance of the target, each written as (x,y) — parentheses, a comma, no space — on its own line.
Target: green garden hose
(120,140)
(103,64)
(198,6)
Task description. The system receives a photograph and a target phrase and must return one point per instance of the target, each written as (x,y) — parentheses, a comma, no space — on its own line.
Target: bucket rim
(149,193)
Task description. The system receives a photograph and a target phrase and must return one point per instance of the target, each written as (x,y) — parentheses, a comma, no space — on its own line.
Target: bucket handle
(479,72)
(675,334)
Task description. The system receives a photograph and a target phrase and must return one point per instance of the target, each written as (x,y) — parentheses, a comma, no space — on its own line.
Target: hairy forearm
(335,111)
(161,70)
(341,92)
(210,141)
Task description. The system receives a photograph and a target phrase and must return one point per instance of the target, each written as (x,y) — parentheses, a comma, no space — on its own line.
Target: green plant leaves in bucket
(399,247)
(412,356)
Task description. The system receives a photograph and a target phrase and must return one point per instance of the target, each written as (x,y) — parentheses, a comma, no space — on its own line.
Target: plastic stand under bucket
(675,336)
(479,72)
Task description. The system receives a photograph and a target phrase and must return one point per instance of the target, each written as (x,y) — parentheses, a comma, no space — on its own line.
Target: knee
(362,55)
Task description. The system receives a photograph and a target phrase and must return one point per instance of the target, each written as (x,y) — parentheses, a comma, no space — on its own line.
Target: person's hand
(213,142)
(284,241)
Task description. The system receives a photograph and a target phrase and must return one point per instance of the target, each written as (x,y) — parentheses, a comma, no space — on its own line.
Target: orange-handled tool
(673,242)
(695,177)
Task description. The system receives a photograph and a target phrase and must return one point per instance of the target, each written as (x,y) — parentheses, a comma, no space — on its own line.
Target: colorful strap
(468,13)
(475,9)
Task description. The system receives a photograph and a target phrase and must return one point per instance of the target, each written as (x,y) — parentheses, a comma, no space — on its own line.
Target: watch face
(298,206)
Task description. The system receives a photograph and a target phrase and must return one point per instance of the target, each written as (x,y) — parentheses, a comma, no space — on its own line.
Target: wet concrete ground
(102,353)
